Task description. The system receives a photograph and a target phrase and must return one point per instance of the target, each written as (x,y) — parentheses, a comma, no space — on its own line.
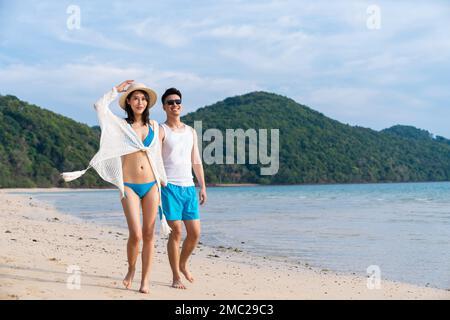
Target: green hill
(317,149)
(37,144)
(409,132)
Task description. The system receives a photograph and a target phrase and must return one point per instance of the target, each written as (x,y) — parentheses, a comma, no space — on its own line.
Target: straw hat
(140,87)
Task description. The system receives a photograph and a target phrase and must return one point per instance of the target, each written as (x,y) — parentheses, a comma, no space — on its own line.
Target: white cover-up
(117,139)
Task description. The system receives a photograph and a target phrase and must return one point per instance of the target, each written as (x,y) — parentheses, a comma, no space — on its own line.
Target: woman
(130,158)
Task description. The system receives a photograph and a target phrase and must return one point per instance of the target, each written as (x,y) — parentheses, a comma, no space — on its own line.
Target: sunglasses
(172,102)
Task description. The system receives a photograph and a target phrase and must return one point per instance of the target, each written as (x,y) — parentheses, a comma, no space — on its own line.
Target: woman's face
(137,102)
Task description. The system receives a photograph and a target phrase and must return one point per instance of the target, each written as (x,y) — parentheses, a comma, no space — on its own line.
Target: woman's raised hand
(121,87)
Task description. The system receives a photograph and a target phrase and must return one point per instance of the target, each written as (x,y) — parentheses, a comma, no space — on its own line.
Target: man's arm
(161,137)
(198,169)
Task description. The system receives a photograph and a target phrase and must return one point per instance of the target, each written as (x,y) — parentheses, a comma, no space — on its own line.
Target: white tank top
(176,154)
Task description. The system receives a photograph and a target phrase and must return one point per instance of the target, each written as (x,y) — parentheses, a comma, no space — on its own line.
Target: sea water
(401,228)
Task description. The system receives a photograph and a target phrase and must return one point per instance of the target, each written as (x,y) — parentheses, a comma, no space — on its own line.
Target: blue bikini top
(149,137)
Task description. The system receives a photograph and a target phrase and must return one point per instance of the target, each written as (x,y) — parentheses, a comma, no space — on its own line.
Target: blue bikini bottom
(140,189)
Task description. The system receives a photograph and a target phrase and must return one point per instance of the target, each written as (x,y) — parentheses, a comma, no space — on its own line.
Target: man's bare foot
(129,278)
(187,274)
(177,284)
(144,288)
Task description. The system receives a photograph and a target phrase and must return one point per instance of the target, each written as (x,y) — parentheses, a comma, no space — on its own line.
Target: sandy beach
(45,252)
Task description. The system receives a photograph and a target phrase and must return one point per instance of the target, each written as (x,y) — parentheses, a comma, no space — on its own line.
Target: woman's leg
(131,208)
(149,211)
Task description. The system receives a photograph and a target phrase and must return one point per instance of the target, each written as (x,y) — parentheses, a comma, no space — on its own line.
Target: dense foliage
(36,145)
(317,149)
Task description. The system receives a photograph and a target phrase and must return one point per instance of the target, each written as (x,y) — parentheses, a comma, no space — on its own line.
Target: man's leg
(189,244)
(173,250)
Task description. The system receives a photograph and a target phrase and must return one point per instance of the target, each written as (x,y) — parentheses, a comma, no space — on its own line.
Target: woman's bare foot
(187,274)
(129,278)
(177,284)
(144,288)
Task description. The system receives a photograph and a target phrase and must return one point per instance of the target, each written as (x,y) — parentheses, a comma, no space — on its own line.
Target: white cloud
(372,108)
(170,33)
(73,88)
(166,34)
(244,31)
(320,52)
(89,37)
(288,22)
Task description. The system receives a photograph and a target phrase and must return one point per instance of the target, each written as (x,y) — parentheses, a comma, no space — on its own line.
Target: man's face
(172,105)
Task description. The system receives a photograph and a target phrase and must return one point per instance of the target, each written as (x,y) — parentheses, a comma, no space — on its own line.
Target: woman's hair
(130,114)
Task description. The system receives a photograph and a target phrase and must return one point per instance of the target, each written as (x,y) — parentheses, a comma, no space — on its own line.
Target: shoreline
(40,243)
(214,185)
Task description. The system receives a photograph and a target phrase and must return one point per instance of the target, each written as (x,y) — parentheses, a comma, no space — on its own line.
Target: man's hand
(202,196)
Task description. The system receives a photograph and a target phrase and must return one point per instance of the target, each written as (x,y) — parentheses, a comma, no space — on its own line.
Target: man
(179,200)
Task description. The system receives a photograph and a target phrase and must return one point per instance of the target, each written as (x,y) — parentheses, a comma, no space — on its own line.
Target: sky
(368,63)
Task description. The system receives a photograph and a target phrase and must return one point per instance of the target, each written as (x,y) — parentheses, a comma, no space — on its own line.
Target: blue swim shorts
(179,203)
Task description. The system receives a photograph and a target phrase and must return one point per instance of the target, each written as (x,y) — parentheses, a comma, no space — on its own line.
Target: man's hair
(169,92)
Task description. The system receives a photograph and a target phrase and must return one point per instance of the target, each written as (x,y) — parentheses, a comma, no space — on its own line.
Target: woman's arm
(102,104)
